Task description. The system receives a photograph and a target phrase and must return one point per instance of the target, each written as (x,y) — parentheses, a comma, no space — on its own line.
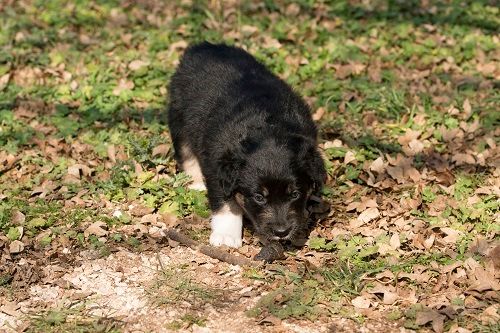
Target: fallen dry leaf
(369,214)
(414,147)
(4,80)
(349,157)
(430,316)
(361,302)
(96,229)
(123,85)
(137,64)
(452,235)
(16,247)
(460,159)
(409,136)
(491,315)
(378,165)
(394,242)
(319,113)
(162,150)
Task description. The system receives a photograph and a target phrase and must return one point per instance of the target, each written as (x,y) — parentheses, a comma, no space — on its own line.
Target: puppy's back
(208,71)
(220,93)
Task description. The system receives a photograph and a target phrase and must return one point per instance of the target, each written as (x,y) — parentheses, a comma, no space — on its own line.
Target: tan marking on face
(240,199)
(266,214)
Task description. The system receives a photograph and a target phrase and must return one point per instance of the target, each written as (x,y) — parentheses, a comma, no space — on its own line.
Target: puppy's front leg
(227,226)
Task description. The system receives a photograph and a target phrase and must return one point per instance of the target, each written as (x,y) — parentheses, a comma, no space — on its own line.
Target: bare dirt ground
(121,287)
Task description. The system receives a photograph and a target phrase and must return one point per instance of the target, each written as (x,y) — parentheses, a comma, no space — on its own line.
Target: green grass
(175,284)
(71,320)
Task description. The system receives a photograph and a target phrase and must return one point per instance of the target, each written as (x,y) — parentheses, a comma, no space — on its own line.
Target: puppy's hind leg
(227,226)
(191,166)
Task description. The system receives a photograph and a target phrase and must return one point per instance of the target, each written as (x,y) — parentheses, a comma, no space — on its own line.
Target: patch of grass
(283,303)
(186,322)
(72,320)
(174,285)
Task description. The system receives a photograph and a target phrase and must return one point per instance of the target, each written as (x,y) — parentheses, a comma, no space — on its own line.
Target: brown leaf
(495,256)
(487,69)
(179,45)
(366,202)
(248,30)
(17,218)
(79,170)
(318,114)
(413,174)
(170,220)
(396,173)
(452,235)
(409,136)
(414,147)
(460,159)
(16,246)
(162,150)
(112,153)
(96,229)
(467,108)
(394,242)
(429,241)
(11,308)
(123,85)
(140,210)
(149,218)
(430,316)
(343,71)
(292,9)
(368,215)
(137,64)
(491,315)
(349,157)
(389,296)
(378,165)
(361,302)
(374,74)
(4,81)
(352,206)
(483,280)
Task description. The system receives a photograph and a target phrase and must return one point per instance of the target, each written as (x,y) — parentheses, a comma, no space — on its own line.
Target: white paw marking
(227,228)
(191,166)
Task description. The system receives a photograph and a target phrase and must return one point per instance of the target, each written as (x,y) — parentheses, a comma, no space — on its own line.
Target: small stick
(211,251)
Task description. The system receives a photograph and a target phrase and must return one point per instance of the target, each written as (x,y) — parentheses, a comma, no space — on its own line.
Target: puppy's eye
(295,195)
(259,198)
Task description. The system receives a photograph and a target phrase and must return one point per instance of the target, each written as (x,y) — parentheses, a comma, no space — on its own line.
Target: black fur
(250,133)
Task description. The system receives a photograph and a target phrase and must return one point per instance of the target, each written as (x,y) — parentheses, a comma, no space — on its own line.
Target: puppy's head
(272,180)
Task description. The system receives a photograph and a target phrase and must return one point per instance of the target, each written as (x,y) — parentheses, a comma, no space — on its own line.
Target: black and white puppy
(244,133)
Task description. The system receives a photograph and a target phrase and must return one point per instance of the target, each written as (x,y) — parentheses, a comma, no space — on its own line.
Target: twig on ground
(211,251)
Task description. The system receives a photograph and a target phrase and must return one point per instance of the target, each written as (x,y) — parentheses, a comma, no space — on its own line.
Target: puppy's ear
(315,167)
(309,159)
(229,167)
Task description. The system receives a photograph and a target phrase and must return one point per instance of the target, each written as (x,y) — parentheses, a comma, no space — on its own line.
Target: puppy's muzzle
(281,232)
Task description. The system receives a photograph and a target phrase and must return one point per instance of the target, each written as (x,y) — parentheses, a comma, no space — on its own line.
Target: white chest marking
(227,227)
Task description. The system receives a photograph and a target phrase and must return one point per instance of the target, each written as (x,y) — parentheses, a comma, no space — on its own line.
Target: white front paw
(217,239)
(227,227)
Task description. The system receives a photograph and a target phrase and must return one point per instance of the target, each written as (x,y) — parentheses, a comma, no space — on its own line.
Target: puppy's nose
(281,231)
